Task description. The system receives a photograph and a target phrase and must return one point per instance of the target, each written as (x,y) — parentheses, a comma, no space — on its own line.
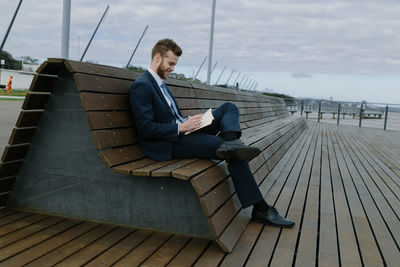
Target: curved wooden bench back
(104,93)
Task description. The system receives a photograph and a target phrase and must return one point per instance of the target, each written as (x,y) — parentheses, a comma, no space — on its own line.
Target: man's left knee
(230,106)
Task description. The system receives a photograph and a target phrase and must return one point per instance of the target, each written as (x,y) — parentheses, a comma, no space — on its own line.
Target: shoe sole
(241,153)
(272,224)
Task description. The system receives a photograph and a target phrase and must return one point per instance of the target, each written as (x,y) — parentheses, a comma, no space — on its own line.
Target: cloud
(301,75)
(302,37)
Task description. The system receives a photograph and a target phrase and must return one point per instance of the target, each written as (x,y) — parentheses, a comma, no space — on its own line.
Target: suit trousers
(205,142)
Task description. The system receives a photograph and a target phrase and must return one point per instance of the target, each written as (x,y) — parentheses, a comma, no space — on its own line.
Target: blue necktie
(174,108)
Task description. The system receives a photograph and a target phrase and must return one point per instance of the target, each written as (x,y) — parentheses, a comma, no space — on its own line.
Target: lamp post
(211,43)
(65,29)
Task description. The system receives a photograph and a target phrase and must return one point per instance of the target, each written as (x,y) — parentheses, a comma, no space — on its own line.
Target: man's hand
(191,124)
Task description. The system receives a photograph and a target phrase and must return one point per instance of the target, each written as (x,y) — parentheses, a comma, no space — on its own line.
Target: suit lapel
(158,91)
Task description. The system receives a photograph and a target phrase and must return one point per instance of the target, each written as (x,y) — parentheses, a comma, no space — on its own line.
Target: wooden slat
(35,101)
(43,248)
(188,171)
(114,138)
(96,248)
(8,169)
(167,170)
(52,66)
(107,120)
(4,195)
(181,92)
(21,135)
(364,233)
(13,217)
(119,250)
(215,198)
(209,178)
(328,248)
(69,248)
(94,83)
(129,167)
(14,152)
(21,223)
(164,254)
(146,170)
(144,250)
(104,102)
(224,215)
(243,247)
(211,257)
(282,254)
(29,118)
(43,83)
(190,253)
(231,235)
(177,82)
(101,70)
(35,239)
(6,183)
(121,155)
(378,214)
(27,231)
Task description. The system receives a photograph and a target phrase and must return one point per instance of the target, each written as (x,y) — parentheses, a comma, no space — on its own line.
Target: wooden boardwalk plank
(388,248)
(28,242)
(348,243)
(211,257)
(13,217)
(328,254)
(379,177)
(99,246)
(41,249)
(120,249)
(190,253)
(243,248)
(71,247)
(144,250)
(286,180)
(28,231)
(306,253)
(25,221)
(164,255)
(369,250)
(284,254)
(339,184)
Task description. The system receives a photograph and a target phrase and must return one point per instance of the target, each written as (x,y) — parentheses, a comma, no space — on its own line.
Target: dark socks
(261,206)
(229,136)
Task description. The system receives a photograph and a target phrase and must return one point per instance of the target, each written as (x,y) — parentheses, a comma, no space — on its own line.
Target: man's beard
(162,72)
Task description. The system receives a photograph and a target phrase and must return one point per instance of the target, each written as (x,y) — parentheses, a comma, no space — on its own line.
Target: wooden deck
(341,185)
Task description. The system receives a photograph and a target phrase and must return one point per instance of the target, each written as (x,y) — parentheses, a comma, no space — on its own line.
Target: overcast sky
(347,50)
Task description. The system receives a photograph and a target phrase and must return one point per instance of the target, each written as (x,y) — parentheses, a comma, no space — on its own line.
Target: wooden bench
(51,165)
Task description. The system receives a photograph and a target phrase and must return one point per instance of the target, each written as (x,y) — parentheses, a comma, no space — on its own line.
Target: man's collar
(156,77)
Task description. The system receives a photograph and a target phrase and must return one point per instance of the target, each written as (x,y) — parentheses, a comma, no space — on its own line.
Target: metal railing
(363,114)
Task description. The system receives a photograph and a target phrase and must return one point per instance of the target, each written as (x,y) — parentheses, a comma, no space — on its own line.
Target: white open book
(205,120)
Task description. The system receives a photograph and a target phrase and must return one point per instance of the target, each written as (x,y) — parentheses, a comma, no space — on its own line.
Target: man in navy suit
(161,129)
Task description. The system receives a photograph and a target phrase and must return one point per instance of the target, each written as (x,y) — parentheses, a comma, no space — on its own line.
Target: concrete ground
(9,112)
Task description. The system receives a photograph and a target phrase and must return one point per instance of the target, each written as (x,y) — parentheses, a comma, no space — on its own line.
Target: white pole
(211,43)
(65,29)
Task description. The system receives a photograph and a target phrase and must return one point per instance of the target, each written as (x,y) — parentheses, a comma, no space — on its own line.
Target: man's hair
(165,45)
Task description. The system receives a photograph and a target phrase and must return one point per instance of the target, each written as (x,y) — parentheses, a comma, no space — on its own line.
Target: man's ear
(157,58)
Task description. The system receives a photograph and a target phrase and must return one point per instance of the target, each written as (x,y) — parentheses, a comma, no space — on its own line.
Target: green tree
(136,68)
(30,60)
(10,62)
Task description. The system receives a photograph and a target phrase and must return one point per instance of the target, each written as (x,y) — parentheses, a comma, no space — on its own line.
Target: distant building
(22,78)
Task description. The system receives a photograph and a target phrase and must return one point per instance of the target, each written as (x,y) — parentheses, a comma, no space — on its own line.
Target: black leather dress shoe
(235,149)
(271,217)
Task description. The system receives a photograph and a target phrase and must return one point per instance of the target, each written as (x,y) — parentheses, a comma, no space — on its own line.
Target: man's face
(167,64)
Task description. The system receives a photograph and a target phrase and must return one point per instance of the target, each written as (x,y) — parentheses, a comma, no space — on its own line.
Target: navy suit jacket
(155,122)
